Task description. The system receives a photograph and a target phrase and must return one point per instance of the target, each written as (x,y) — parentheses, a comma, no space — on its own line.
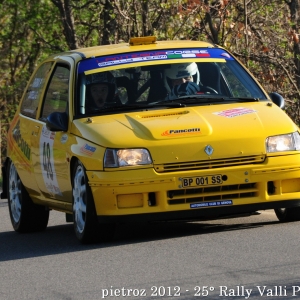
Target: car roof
(135,47)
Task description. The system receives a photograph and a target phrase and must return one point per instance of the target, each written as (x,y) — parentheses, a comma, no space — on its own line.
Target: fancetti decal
(177,132)
(234,112)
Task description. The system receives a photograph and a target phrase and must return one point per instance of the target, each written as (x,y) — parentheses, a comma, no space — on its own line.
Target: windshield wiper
(244,99)
(197,98)
(205,98)
(171,104)
(174,103)
(138,106)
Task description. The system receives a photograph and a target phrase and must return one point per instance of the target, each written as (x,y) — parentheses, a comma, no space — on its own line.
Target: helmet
(104,78)
(177,71)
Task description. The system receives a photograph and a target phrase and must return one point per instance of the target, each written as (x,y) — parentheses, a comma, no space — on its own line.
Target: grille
(236,191)
(209,164)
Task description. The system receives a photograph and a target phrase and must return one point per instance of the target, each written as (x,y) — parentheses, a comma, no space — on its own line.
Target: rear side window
(57,95)
(34,91)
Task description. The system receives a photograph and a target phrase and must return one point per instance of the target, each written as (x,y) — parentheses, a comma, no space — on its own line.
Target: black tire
(86,226)
(289,214)
(25,216)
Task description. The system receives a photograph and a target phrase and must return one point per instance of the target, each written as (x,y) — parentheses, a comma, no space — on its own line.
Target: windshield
(171,78)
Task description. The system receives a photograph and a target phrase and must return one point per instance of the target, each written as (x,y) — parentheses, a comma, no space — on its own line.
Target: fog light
(130,200)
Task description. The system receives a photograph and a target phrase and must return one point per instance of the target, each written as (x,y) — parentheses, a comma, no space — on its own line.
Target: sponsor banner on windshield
(134,57)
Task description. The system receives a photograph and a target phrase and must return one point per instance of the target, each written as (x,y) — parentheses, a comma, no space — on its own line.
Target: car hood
(181,134)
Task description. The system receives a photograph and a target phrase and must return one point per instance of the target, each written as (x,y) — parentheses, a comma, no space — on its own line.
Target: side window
(240,83)
(33,94)
(234,83)
(57,95)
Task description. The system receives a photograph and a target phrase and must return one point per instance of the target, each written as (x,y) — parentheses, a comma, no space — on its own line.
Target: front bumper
(200,214)
(145,194)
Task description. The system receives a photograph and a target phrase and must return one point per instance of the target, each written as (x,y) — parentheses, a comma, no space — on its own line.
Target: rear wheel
(25,216)
(289,214)
(86,226)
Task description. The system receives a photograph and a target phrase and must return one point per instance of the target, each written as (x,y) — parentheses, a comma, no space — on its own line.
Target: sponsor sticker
(211,203)
(47,161)
(234,112)
(20,142)
(64,138)
(187,53)
(225,54)
(88,150)
(151,55)
(176,132)
(130,60)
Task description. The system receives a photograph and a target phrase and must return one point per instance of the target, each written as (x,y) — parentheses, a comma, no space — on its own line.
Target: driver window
(57,95)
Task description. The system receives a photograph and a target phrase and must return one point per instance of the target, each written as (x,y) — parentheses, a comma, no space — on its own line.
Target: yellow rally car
(148,131)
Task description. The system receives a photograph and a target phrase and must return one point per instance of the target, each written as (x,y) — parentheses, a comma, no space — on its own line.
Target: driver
(101,88)
(181,80)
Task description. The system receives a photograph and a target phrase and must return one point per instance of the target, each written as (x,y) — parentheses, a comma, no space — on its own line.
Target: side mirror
(277,99)
(57,121)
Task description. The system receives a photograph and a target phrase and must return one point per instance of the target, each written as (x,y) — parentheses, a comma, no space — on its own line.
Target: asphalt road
(244,258)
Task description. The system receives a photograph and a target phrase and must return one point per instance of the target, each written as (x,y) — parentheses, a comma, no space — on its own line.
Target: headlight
(285,142)
(115,158)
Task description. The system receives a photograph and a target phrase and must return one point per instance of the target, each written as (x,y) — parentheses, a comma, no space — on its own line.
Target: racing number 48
(47,160)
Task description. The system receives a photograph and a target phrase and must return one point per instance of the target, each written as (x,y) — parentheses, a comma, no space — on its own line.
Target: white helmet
(177,71)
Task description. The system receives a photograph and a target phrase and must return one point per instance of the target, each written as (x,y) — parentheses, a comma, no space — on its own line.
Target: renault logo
(209,150)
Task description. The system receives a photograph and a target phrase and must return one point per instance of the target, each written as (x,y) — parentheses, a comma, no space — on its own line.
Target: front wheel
(25,216)
(289,214)
(86,226)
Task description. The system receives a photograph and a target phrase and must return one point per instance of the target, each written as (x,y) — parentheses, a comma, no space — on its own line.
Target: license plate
(202,180)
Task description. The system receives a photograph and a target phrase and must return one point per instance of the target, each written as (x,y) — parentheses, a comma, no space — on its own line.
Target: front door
(50,158)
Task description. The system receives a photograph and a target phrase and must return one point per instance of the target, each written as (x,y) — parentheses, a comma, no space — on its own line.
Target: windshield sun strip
(141,58)
(144,64)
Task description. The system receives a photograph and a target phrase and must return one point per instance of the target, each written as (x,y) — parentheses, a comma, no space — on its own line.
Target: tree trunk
(294,10)
(109,28)
(67,19)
